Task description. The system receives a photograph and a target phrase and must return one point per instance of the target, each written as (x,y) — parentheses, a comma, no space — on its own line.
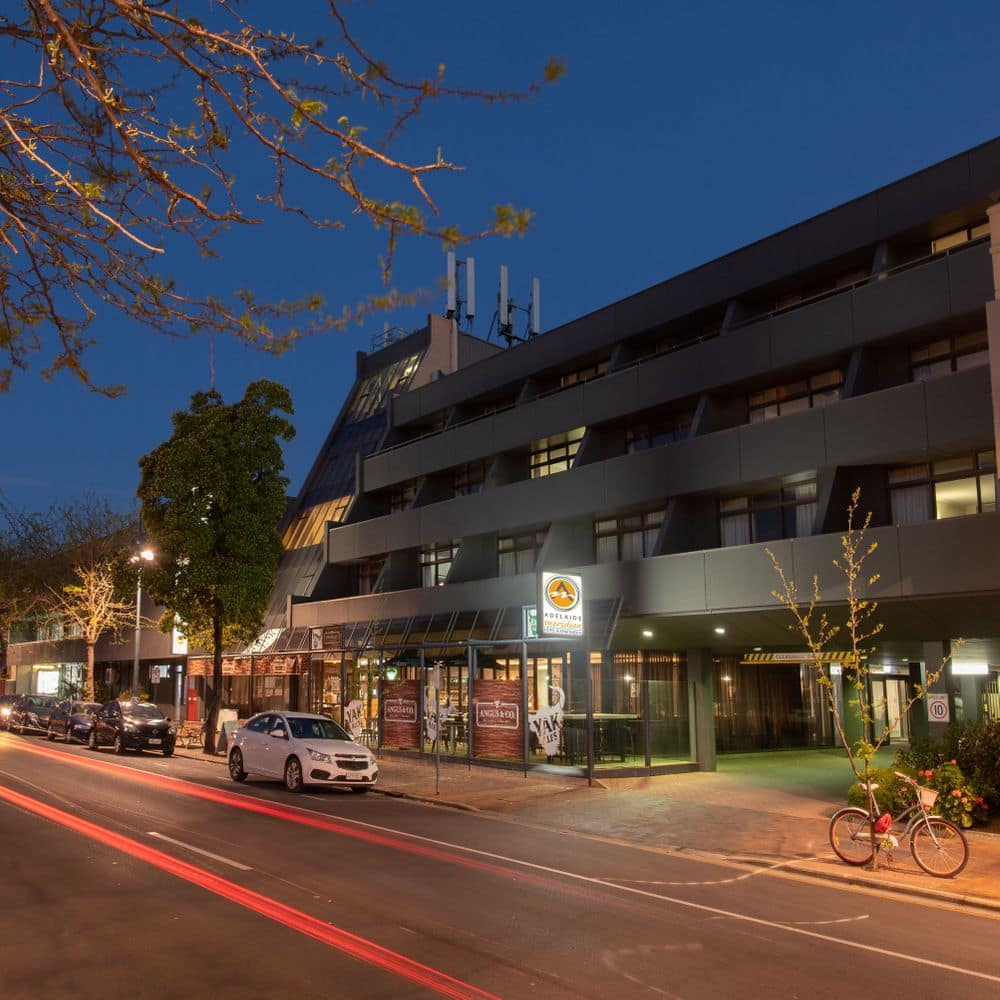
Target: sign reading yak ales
(562,604)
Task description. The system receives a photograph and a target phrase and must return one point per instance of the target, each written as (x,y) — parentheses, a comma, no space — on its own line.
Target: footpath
(756,810)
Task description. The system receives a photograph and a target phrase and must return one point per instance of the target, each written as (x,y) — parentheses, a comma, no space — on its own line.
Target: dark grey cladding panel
(768,259)
(958,555)
(924,195)
(554,414)
(471,441)
(609,397)
(345,542)
(984,171)
(822,328)
(711,282)
(702,463)
(742,576)
(912,298)
(672,584)
(959,411)
(971,278)
(839,231)
(642,311)
(887,426)
(813,557)
(795,443)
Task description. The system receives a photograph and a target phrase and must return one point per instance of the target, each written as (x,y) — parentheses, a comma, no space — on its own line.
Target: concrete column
(934,653)
(701,709)
(993,322)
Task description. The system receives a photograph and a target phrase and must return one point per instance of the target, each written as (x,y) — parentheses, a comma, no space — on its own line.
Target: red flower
(956,793)
(954,762)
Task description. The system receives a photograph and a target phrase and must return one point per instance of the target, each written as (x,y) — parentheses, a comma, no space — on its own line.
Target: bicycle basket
(927,796)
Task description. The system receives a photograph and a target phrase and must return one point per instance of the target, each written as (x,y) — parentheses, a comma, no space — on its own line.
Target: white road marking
(198,850)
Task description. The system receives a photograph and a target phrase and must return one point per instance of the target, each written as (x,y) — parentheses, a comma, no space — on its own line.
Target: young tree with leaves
(212,498)
(127,124)
(812,623)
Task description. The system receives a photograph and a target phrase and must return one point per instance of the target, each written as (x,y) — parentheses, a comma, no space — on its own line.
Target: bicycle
(938,846)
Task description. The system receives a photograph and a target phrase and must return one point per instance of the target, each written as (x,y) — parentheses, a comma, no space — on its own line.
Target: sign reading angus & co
(400,718)
(497,719)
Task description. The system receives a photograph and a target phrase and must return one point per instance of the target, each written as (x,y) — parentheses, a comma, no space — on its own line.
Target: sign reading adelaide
(497,719)
(561,601)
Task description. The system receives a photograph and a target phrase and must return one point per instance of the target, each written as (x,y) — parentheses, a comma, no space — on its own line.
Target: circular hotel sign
(562,593)
(562,604)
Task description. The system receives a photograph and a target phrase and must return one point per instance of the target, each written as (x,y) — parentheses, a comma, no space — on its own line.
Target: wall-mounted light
(969,669)
(647,633)
(719,630)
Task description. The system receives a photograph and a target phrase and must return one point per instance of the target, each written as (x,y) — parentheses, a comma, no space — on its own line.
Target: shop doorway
(889,696)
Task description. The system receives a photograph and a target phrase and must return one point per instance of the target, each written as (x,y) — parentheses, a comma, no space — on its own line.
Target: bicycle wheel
(851,836)
(939,847)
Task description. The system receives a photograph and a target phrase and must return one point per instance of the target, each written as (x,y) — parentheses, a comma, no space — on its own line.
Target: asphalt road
(146,877)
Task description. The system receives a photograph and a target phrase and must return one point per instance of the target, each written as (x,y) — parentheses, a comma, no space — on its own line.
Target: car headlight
(324,757)
(5,710)
(129,728)
(172,731)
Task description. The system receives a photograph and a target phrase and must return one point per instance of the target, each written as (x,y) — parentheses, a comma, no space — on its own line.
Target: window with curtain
(949,354)
(631,536)
(517,553)
(435,563)
(950,487)
(555,454)
(792,397)
(788,512)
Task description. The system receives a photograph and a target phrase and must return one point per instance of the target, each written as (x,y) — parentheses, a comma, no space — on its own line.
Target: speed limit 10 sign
(937,708)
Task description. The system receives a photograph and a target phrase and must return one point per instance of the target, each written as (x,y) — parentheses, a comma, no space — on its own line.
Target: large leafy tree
(212,497)
(132,127)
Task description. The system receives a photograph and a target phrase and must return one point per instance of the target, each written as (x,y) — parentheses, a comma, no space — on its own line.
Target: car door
(275,747)
(59,719)
(252,741)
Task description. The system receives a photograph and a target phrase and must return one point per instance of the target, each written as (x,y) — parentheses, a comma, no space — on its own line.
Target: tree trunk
(89,687)
(213,689)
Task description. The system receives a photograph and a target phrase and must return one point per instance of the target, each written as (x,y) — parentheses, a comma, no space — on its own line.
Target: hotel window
(631,536)
(949,354)
(766,517)
(949,488)
(959,236)
(435,563)
(584,374)
(368,574)
(555,454)
(400,497)
(653,433)
(517,554)
(307,527)
(779,400)
(469,478)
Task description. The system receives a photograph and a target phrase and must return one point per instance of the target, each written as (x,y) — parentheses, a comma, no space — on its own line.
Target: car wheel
(359,789)
(92,740)
(236,771)
(119,743)
(293,775)
(168,751)
(49,735)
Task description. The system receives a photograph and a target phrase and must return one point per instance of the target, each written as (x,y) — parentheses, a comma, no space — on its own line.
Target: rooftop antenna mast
(506,307)
(455,304)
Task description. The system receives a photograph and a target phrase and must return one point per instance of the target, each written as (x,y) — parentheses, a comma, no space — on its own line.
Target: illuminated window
(372,393)
(959,236)
(949,354)
(949,488)
(780,400)
(435,563)
(788,512)
(308,525)
(555,454)
(517,554)
(632,536)
(584,374)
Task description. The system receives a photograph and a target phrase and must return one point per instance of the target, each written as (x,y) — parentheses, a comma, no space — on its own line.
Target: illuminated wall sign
(178,640)
(561,601)
(970,669)
(529,625)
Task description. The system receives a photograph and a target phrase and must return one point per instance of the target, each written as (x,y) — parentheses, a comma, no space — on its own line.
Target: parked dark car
(71,719)
(30,713)
(132,725)
(6,704)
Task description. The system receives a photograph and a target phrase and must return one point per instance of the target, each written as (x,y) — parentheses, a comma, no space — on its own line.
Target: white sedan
(300,749)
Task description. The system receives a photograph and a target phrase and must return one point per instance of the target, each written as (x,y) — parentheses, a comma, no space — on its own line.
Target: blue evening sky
(680,132)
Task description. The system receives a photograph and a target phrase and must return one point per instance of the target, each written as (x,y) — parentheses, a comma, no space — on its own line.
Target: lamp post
(143,555)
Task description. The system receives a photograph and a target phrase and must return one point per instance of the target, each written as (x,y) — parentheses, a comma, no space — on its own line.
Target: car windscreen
(141,710)
(41,701)
(316,729)
(84,707)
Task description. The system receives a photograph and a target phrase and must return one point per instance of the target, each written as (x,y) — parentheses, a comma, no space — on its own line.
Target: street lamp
(143,555)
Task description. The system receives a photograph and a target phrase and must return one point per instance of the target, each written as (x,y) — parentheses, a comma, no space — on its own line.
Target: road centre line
(342,940)
(315,818)
(198,850)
